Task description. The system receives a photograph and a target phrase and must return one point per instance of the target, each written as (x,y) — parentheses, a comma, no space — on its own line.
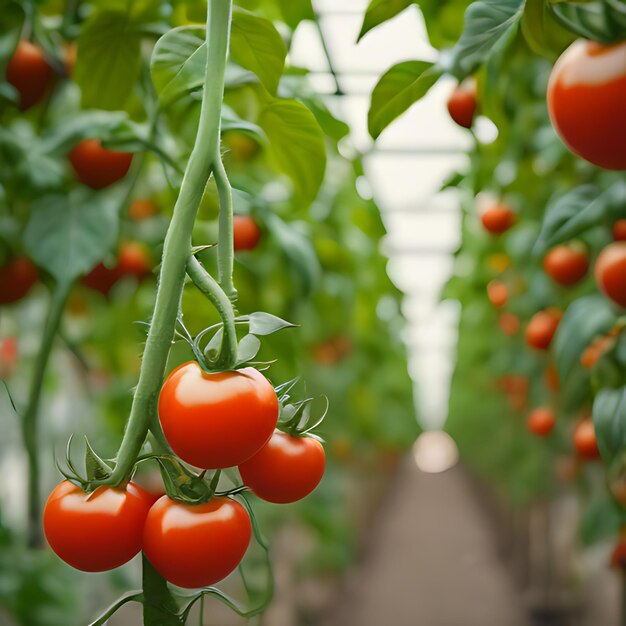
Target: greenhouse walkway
(431,561)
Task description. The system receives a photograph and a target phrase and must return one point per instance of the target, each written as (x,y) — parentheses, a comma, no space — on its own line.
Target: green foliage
(379,11)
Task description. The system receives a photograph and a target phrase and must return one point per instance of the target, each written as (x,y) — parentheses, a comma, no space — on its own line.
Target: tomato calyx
(296,417)
(96,468)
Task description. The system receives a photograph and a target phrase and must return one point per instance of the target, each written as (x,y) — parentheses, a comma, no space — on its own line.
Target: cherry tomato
(101,278)
(610,272)
(618,555)
(462,104)
(509,324)
(16,279)
(246,233)
(498,218)
(98,531)
(567,264)
(134,260)
(619,230)
(585,440)
(196,545)
(96,166)
(8,357)
(29,72)
(497,293)
(141,209)
(542,327)
(541,421)
(285,469)
(587,99)
(217,420)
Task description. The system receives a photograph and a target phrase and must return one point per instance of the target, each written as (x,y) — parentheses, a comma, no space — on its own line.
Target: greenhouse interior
(313,312)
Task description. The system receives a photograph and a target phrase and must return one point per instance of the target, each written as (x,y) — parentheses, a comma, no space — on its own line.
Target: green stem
(225,248)
(177,246)
(30,426)
(211,289)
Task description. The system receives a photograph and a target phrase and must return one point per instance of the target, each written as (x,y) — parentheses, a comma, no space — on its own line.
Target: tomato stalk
(177,249)
(29,418)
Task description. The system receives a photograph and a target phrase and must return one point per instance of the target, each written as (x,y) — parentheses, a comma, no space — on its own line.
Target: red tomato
(462,104)
(141,209)
(96,166)
(587,100)
(610,272)
(285,469)
(542,327)
(8,357)
(585,440)
(134,260)
(29,72)
(246,233)
(497,293)
(619,230)
(217,420)
(541,421)
(552,378)
(567,264)
(97,531)
(618,556)
(498,218)
(16,279)
(196,545)
(101,278)
(509,324)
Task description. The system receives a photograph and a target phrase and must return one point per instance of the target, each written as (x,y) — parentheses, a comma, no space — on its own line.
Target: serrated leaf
(487,24)
(69,234)
(584,319)
(178,63)
(296,145)
(399,87)
(379,11)
(262,323)
(248,348)
(609,420)
(108,59)
(257,46)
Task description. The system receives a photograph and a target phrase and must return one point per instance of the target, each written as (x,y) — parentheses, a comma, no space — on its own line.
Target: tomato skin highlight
(587,99)
(541,328)
(585,440)
(246,233)
(462,105)
(610,272)
(98,167)
(99,531)
(17,277)
(498,218)
(198,545)
(541,421)
(217,420)
(29,72)
(566,265)
(285,469)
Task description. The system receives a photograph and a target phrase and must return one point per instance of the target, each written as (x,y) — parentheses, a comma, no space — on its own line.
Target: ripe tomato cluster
(212,421)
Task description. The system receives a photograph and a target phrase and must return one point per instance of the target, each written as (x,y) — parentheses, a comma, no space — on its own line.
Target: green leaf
(178,63)
(11,24)
(248,348)
(296,145)
(601,519)
(544,34)
(398,88)
(159,606)
(603,21)
(380,11)
(609,420)
(257,46)
(585,319)
(69,234)
(108,60)
(487,24)
(294,12)
(575,212)
(262,323)
(298,249)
